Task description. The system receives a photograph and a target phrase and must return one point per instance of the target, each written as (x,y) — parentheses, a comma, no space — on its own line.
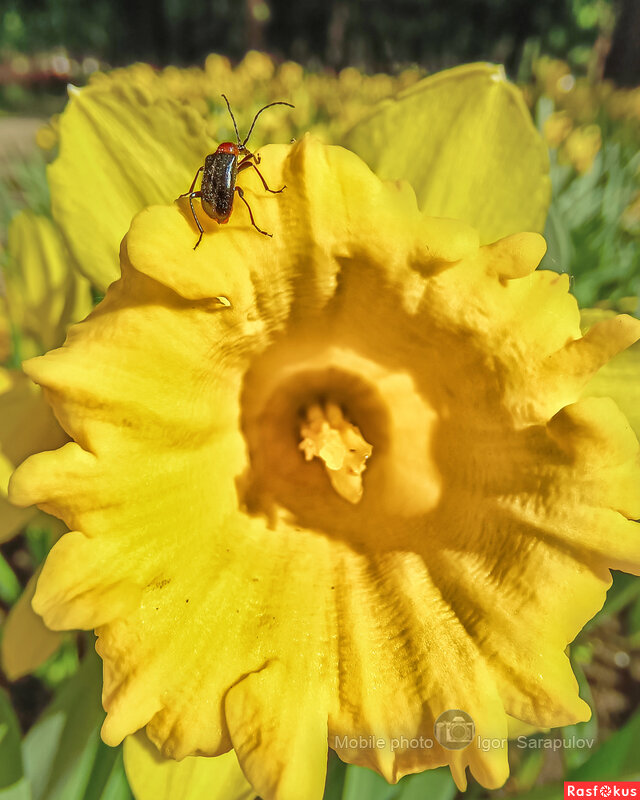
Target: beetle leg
(245,164)
(193,183)
(249,157)
(195,216)
(253,222)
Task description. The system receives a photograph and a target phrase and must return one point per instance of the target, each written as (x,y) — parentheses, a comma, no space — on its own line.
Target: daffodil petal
(377,596)
(618,378)
(223,571)
(26,640)
(152,777)
(465,141)
(288,758)
(582,358)
(124,144)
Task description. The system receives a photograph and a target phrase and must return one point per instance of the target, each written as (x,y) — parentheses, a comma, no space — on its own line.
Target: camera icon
(454,729)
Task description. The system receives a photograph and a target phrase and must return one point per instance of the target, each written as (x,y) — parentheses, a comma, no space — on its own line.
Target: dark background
(374,35)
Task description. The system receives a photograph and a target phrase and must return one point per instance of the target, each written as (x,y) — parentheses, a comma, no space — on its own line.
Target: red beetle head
(228,147)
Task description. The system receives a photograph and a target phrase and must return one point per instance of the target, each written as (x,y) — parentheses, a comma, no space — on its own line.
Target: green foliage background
(371,34)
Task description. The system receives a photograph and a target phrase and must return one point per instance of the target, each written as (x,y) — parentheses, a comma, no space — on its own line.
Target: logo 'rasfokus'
(602,789)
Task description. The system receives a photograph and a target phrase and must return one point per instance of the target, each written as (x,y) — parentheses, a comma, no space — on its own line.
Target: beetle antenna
(277,103)
(232,118)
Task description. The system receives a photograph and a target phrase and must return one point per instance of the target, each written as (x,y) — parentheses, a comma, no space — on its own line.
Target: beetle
(219,174)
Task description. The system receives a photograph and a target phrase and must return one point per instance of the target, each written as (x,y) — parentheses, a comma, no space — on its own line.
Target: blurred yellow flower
(557,127)
(27,425)
(26,640)
(582,146)
(5,331)
(583,99)
(624,104)
(324,101)
(240,600)
(44,294)
(554,76)
(48,135)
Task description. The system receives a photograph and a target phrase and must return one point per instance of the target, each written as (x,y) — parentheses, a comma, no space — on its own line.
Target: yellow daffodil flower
(245,600)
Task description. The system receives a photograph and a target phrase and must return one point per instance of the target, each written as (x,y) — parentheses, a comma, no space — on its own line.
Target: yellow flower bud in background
(557,127)
(44,292)
(582,146)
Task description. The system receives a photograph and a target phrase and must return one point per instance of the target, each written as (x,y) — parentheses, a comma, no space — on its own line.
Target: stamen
(327,435)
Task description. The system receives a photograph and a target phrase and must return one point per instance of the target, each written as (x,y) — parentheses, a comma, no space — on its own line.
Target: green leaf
(19,791)
(336,771)
(624,591)
(61,666)
(435,784)
(10,589)
(361,783)
(108,780)
(117,788)
(560,250)
(529,769)
(616,759)
(39,539)
(575,756)
(60,750)
(590,209)
(10,756)
(552,791)
(633,619)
